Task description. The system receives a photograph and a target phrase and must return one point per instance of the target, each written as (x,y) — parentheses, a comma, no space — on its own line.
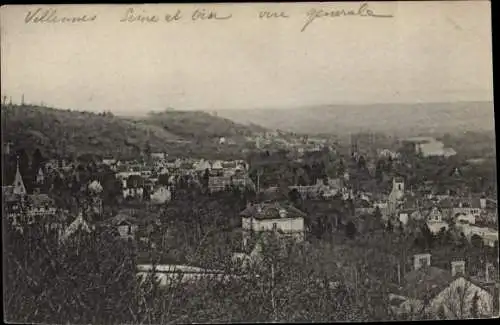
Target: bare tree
(458,299)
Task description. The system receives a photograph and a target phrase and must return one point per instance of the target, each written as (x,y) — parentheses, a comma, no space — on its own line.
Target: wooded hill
(66,132)
(403,120)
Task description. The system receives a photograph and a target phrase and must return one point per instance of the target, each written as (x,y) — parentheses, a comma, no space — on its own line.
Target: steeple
(19,188)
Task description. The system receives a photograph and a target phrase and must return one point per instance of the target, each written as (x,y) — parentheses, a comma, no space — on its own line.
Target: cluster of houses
(139,177)
(154,181)
(281,140)
(324,189)
(426,288)
(447,293)
(22,208)
(468,215)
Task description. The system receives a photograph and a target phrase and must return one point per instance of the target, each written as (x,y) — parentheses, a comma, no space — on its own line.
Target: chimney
(421,260)
(457,268)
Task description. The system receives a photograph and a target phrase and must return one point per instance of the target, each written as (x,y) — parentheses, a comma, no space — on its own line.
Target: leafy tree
(146,195)
(427,237)
(294,197)
(24,161)
(37,160)
(477,242)
(379,173)
(361,163)
(441,235)
(389,228)
(350,230)
(163,179)
(206,176)
(389,165)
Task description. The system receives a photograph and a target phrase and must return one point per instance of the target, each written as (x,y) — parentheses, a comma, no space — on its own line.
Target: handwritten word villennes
(51,16)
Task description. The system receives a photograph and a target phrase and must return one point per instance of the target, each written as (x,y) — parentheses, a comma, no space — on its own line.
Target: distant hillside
(64,132)
(196,124)
(403,119)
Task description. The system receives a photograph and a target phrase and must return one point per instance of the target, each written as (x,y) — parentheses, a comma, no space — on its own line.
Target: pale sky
(428,52)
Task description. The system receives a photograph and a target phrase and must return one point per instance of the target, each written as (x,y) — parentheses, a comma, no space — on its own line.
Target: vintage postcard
(230,163)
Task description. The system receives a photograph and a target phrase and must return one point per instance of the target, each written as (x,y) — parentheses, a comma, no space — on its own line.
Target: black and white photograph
(248,163)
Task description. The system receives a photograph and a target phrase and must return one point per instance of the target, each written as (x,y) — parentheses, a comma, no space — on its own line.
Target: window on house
(275,226)
(424,262)
(459,269)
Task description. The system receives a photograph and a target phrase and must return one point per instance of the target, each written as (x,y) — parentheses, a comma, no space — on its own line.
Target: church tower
(19,188)
(398,187)
(397,194)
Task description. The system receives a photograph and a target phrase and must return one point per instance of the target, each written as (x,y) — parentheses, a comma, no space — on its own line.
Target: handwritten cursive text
(131,16)
(362,11)
(202,14)
(51,16)
(272,14)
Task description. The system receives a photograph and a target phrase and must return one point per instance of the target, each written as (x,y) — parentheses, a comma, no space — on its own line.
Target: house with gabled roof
(434,220)
(126,225)
(276,217)
(79,224)
(468,206)
(443,294)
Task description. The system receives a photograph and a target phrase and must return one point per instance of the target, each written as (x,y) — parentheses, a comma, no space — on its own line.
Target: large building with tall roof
(280,218)
(429,147)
